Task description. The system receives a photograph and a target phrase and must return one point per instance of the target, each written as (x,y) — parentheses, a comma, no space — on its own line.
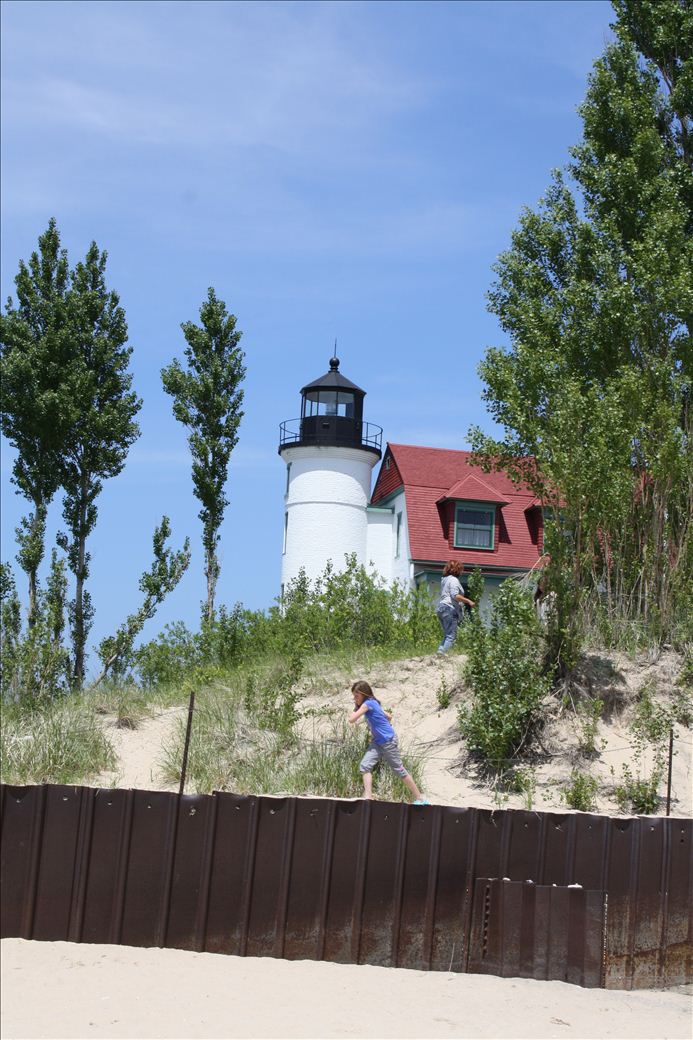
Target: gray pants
(389,752)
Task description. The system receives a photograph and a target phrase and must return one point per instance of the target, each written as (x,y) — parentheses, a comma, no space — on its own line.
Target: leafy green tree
(101,424)
(596,297)
(10,628)
(168,568)
(207,400)
(34,337)
(34,665)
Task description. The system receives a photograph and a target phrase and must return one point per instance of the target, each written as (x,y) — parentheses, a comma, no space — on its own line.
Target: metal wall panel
(523,930)
(384,883)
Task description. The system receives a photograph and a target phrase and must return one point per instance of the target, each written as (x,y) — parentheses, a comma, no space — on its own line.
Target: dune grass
(62,743)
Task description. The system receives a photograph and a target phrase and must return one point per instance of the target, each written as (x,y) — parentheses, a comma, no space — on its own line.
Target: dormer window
(475,525)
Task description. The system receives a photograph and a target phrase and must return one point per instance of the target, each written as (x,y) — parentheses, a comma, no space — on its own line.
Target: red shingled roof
(432,479)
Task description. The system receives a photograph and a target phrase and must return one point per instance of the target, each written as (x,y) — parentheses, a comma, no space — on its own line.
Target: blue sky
(346,170)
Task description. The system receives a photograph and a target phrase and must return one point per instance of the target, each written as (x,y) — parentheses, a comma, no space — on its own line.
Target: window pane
(328,402)
(345,404)
(474,527)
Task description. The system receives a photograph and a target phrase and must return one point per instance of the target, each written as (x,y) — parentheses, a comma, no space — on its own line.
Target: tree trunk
(211,573)
(79,634)
(34,557)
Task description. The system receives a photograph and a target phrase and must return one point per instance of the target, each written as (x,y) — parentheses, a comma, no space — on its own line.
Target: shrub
(523,782)
(443,694)
(580,792)
(589,713)
(638,794)
(340,610)
(34,666)
(505,675)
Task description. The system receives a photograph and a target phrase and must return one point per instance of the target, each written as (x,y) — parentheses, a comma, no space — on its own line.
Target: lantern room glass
(329,402)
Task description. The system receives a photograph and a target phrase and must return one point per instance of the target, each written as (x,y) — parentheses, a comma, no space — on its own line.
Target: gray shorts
(389,752)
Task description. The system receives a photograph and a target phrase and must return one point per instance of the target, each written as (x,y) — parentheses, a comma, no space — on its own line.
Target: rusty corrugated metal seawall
(435,887)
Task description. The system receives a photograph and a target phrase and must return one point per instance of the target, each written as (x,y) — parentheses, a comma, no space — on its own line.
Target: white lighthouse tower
(329,454)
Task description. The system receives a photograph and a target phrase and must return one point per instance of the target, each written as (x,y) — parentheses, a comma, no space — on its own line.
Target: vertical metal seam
(485,919)
(35,845)
(503,887)
(506,841)
(326,878)
(121,877)
(540,870)
(664,902)
(432,886)
(206,865)
(605,933)
(634,884)
(569,861)
(400,857)
(249,875)
(606,858)
(470,880)
(360,881)
(285,877)
(82,861)
(175,805)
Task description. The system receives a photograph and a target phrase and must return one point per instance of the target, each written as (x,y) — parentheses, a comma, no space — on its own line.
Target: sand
(60,989)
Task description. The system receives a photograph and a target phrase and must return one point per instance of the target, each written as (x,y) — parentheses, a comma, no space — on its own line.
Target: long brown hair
(454,567)
(362,687)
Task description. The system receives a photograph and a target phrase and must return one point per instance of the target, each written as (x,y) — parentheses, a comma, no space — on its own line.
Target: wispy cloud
(277,76)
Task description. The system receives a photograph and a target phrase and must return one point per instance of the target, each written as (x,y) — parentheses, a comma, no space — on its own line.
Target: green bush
(524,783)
(589,713)
(34,666)
(443,694)
(581,791)
(504,672)
(638,794)
(340,610)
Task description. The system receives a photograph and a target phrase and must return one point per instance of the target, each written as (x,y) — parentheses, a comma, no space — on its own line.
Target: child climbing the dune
(383,744)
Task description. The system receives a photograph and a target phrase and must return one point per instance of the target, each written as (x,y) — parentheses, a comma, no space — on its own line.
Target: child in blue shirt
(384,743)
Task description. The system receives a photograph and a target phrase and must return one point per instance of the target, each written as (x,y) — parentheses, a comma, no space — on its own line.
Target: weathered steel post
(184,767)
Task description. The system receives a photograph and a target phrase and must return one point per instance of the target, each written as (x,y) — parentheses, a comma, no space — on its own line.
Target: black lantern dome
(331,416)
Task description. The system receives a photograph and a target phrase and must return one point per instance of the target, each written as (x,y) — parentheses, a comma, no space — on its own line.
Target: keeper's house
(443,508)
(428,505)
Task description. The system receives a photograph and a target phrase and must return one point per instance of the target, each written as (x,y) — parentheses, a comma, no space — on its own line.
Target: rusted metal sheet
(356,882)
(523,930)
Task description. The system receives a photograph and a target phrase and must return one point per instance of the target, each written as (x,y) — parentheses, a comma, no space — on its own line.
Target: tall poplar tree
(596,297)
(101,424)
(207,399)
(34,341)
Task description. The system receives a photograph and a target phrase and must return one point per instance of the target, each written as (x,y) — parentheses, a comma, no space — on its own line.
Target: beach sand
(76,990)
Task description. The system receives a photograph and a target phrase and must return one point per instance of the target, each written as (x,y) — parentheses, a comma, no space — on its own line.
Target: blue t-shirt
(378,721)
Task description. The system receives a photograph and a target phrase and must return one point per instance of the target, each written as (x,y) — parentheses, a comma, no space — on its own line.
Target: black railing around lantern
(331,431)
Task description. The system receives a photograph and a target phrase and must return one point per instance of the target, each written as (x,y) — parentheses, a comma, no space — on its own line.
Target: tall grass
(63,743)
(231,749)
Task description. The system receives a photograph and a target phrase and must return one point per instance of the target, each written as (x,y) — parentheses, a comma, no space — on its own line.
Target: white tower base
(328,489)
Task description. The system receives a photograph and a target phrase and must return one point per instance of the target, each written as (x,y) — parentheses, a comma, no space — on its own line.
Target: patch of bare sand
(120,991)
(138,751)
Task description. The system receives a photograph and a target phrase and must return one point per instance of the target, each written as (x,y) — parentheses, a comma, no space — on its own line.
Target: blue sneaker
(421,801)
